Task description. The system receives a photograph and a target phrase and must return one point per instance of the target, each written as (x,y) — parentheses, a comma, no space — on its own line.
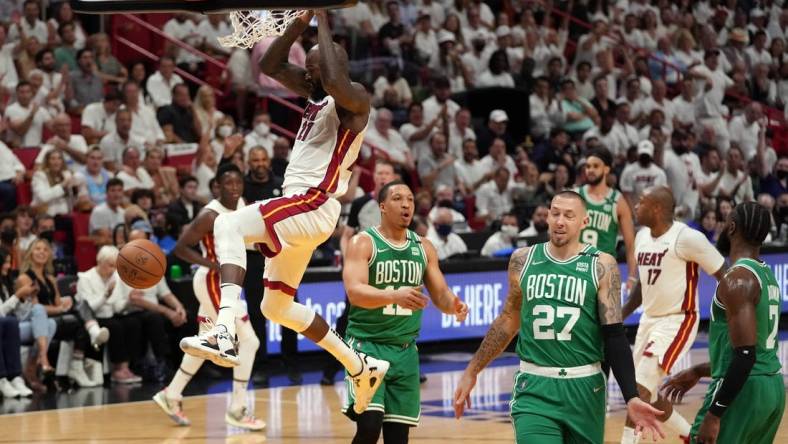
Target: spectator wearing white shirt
(159,85)
(641,175)
(504,238)
(207,117)
(417,131)
(584,83)
(115,143)
(659,100)
(98,118)
(494,198)
(459,131)
(470,171)
(625,134)
(144,124)
(132,173)
(448,64)
(63,13)
(477,59)
(54,187)
(544,110)
(757,53)
(392,90)
(538,224)
(72,146)
(514,54)
(8,75)
(12,174)
(735,183)
(53,79)
(436,10)
(30,25)
(26,119)
(762,87)
(447,243)
(434,105)
(106,216)
(498,158)
(684,105)
(210,29)
(444,198)
(181,27)
(388,140)
(425,39)
(711,112)
(497,73)
(260,135)
(744,130)
(682,171)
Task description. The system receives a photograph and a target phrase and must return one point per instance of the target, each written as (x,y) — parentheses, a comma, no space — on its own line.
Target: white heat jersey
(668,268)
(324,152)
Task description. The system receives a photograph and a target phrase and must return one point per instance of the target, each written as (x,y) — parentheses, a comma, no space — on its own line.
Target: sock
(238,398)
(628,437)
(93,329)
(348,357)
(189,366)
(677,423)
(231,295)
(247,347)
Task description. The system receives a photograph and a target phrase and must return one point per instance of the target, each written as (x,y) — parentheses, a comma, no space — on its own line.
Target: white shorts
(206,290)
(295,226)
(667,338)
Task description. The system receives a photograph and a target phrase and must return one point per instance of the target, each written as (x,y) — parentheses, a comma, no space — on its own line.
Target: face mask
(478,45)
(782,174)
(262,129)
(445,203)
(540,227)
(225,131)
(8,235)
(48,235)
(443,229)
(509,231)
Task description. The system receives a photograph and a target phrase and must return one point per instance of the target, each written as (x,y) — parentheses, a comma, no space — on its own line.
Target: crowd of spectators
(692,95)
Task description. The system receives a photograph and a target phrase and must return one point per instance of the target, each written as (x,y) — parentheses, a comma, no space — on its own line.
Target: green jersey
(390,267)
(767,318)
(602,229)
(559,320)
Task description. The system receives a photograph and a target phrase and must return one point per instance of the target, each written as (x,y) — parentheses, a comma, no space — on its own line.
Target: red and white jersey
(207,244)
(324,152)
(668,268)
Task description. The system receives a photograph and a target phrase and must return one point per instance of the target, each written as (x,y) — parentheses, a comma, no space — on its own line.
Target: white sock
(629,437)
(678,424)
(231,297)
(247,347)
(238,398)
(94,329)
(348,357)
(189,366)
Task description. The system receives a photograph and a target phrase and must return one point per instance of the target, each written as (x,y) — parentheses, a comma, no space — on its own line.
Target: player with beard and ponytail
(608,212)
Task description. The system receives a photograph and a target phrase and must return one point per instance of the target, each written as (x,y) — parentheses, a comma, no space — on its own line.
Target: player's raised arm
(191,236)
(335,73)
(275,63)
(355,275)
(617,351)
(739,291)
(443,298)
(503,329)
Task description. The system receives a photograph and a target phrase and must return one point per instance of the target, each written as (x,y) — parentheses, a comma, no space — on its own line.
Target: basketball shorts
(753,417)
(399,396)
(206,290)
(295,226)
(557,410)
(667,338)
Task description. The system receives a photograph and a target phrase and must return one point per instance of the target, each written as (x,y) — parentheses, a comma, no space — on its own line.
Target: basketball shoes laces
(367,381)
(214,343)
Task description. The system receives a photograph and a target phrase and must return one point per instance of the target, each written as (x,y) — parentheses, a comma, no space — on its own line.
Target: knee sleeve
(368,426)
(230,248)
(649,374)
(282,309)
(395,433)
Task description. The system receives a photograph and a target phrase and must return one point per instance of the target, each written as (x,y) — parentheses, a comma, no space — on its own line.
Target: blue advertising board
(485,293)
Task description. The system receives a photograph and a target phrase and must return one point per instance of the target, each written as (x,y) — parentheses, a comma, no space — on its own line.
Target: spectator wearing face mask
(260,135)
(447,243)
(444,198)
(503,240)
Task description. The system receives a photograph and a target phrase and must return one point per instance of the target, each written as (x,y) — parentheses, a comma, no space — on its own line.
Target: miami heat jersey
(668,268)
(324,152)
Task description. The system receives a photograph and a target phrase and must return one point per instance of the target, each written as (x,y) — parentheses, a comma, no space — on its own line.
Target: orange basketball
(141,264)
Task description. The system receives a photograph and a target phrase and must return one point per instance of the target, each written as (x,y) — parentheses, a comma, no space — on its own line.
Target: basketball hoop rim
(201,6)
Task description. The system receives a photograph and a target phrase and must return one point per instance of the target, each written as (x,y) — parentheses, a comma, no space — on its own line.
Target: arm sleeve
(619,356)
(692,245)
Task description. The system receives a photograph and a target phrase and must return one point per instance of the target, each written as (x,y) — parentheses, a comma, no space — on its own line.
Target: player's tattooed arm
(505,327)
(609,293)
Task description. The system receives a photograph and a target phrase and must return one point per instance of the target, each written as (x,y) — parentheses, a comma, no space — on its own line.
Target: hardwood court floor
(310,414)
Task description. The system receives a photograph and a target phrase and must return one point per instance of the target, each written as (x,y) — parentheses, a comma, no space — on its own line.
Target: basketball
(141,264)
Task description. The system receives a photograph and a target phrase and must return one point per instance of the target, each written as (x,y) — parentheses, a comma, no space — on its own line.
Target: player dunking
(668,254)
(206,289)
(289,228)
(564,301)
(384,269)
(746,398)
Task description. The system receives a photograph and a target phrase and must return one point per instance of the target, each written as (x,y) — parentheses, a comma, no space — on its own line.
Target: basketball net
(249,27)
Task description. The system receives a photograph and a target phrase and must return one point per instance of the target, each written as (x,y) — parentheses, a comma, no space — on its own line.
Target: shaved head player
(564,305)
(287,229)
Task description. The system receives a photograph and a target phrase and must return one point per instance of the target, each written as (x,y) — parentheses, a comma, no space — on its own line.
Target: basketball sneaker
(244,420)
(215,345)
(173,408)
(366,383)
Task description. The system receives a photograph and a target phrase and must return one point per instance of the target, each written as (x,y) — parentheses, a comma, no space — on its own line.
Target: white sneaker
(7,389)
(366,383)
(19,384)
(95,372)
(100,337)
(76,371)
(173,408)
(216,345)
(244,420)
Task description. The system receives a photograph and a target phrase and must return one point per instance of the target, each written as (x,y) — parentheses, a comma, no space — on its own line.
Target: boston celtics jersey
(602,229)
(390,267)
(559,321)
(767,318)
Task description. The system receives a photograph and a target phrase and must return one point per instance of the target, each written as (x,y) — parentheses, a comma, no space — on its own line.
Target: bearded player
(287,229)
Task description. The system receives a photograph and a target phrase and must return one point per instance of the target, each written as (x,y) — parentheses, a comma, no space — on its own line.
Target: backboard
(201,6)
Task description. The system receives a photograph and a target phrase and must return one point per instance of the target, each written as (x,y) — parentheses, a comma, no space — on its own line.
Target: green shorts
(399,396)
(753,417)
(549,410)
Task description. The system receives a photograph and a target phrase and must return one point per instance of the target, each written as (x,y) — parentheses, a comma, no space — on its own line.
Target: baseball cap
(503,31)
(445,36)
(498,116)
(646,147)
